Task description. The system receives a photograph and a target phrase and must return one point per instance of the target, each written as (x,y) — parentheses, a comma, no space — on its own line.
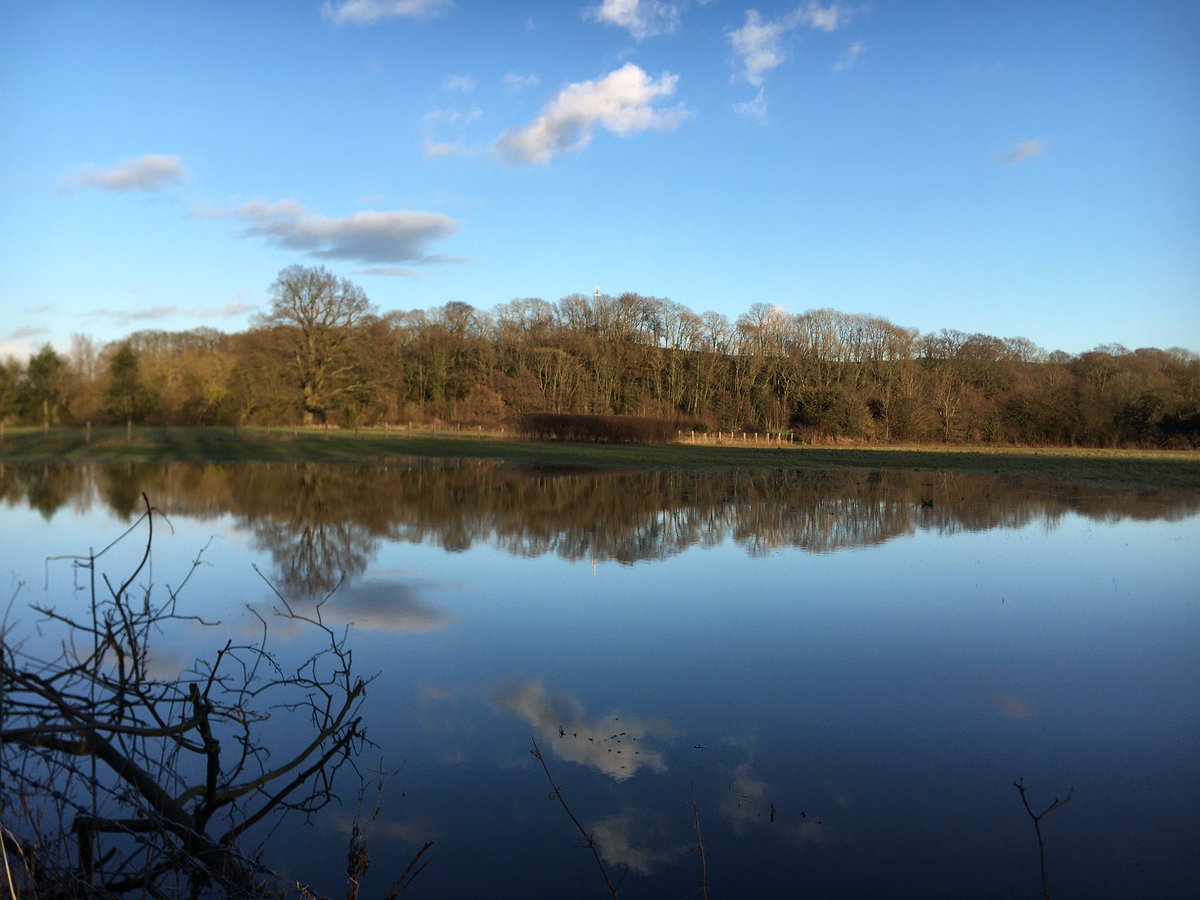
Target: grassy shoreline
(1133,468)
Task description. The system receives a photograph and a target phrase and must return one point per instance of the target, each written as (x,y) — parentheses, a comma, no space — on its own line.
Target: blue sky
(1016,168)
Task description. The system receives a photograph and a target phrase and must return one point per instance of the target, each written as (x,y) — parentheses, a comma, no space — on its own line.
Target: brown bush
(598,429)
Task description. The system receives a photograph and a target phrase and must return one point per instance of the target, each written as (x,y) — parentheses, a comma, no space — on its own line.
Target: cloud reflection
(639,840)
(368,604)
(379,604)
(1010,706)
(611,744)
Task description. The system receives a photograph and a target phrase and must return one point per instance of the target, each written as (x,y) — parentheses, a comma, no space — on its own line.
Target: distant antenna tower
(597,294)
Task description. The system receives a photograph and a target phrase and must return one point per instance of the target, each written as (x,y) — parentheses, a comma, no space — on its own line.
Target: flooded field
(830,681)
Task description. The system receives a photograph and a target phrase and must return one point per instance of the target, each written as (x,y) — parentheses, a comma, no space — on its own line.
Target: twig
(12,891)
(589,838)
(699,844)
(1019,784)
(410,873)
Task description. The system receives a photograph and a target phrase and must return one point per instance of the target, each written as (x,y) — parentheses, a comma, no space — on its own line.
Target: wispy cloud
(755,109)
(362,12)
(758,46)
(154,313)
(518,82)
(20,334)
(621,102)
(441,149)
(1024,150)
(149,313)
(461,83)
(143,173)
(847,60)
(451,116)
(392,272)
(228,311)
(438,121)
(641,18)
(399,236)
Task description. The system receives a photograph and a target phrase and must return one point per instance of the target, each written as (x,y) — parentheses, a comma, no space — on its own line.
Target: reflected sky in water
(850,679)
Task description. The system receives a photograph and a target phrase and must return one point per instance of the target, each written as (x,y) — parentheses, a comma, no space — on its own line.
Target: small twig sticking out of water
(700,845)
(589,838)
(1019,784)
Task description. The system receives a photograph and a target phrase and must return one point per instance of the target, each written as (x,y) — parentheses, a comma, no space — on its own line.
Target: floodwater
(835,679)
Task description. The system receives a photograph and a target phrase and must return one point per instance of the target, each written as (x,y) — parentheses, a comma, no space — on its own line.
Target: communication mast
(597,294)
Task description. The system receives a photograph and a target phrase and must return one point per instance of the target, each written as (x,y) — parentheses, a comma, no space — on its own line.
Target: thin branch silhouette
(589,838)
(1019,784)
(699,844)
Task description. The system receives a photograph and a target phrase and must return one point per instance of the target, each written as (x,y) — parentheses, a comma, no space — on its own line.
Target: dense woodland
(322,353)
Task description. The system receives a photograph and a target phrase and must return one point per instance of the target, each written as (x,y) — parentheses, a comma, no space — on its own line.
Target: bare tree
(315,315)
(116,781)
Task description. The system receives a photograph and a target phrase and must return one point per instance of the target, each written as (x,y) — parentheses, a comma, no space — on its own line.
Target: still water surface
(848,678)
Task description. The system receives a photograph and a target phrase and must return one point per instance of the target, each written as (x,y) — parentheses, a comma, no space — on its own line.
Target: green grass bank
(1134,468)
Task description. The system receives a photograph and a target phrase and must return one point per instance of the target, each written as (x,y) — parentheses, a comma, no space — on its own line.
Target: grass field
(1146,468)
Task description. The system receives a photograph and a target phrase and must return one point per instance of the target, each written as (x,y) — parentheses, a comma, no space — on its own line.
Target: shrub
(599,429)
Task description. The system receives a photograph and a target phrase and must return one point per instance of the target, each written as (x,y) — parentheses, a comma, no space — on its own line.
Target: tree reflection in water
(799,722)
(322,524)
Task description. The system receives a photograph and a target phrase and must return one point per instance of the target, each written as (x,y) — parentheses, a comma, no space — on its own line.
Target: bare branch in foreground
(1019,784)
(589,839)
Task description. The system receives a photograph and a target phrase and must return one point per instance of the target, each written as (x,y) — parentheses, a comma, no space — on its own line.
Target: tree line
(323,354)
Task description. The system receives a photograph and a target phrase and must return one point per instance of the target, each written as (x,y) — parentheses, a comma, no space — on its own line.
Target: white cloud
(144,173)
(451,116)
(847,60)
(462,83)
(822,18)
(363,11)
(641,18)
(758,44)
(1024,150)
(621,102)
(19,349)
(369,237)
(757,47)
(518,82)
(440,149)
(755,109)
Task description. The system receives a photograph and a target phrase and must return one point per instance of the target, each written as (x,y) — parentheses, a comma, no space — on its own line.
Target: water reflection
(322,524)
(846,729)
(613,745)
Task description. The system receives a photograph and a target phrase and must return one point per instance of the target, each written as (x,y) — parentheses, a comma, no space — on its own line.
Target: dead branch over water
(118,781)
(1019,784)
